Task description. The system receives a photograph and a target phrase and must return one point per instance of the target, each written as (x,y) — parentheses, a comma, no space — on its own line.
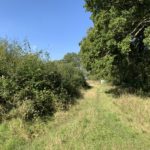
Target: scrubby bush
(33,87)
(72,78)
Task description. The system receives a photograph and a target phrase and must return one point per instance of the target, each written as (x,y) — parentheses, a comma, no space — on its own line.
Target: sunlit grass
(135,111)
(97,122)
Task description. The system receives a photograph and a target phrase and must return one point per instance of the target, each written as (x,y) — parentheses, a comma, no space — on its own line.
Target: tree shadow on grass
(88,87)
(118,91)
(77,95)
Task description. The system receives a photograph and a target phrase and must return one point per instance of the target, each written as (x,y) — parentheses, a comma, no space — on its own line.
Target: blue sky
(56,26)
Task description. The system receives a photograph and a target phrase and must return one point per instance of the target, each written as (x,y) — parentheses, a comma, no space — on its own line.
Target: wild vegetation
(98,121)
(36,93)
(32,86)
(117,48)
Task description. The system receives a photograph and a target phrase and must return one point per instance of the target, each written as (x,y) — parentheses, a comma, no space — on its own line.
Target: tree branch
(141,27)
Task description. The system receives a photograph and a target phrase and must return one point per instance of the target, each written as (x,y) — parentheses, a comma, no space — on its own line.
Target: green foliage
(32,87)
(99,121)
(106,52)
(72,78)
(72,58)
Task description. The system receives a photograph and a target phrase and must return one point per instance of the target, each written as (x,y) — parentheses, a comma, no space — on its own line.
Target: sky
(56,26)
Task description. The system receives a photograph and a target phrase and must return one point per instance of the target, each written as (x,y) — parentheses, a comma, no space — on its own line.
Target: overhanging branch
(140,28)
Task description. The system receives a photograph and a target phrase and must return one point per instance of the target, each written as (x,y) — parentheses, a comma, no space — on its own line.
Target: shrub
(72,78)
(34,87)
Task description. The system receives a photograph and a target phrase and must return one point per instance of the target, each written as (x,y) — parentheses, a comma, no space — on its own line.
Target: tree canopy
(117,46)
(72,58)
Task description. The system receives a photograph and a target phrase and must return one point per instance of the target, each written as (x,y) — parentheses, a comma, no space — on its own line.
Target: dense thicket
(117,48)
(31,86)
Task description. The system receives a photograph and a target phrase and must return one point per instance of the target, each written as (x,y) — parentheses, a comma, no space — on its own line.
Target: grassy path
(98,122)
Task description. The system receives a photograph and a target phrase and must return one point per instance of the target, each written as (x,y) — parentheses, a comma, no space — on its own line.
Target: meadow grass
(98,122)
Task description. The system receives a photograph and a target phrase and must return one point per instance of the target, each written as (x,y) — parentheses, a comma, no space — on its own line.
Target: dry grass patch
(136,111)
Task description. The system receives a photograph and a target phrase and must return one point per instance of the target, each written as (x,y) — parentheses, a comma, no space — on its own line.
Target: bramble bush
(31,86)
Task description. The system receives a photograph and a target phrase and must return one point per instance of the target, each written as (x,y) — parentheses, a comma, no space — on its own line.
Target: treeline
(117,47)
(32,86)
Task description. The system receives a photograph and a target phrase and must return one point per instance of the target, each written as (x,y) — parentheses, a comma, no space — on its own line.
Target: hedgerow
(31,86)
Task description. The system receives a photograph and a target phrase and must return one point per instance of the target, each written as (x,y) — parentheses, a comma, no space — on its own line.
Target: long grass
(98,122)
